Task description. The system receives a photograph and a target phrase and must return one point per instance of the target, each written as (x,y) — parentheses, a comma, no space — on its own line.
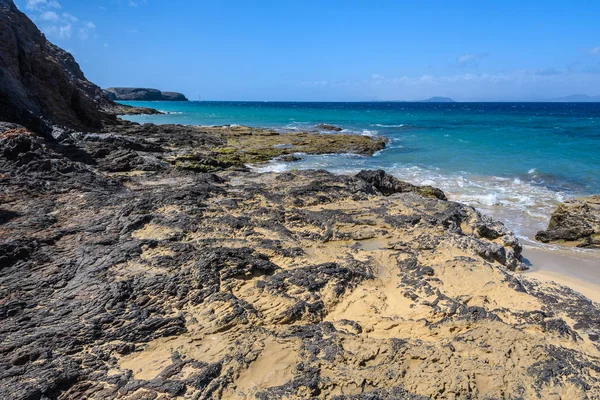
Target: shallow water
(515,161)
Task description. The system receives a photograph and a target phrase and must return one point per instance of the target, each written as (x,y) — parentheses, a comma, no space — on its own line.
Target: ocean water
(515,161)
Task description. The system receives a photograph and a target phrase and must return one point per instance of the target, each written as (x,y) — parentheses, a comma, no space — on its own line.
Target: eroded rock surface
(161,282)
(574,222)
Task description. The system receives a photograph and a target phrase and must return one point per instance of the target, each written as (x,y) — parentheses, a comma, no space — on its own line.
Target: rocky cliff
(141,94)
(41,84)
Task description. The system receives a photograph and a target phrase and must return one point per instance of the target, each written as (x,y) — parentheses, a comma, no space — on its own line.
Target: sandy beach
(575,268)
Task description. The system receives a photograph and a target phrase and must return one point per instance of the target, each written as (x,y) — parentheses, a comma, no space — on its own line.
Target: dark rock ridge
(41,84)
(141,94)
(576,221)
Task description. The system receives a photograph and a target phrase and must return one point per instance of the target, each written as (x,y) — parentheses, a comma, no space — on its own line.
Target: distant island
(142,94)
(577,98)
(437,99)
(434,99)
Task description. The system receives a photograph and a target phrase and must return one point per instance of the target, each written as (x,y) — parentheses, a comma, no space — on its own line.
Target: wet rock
(328,127)
(387,184)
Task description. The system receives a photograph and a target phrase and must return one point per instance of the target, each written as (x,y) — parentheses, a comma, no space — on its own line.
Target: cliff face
(41,84)
(143,94)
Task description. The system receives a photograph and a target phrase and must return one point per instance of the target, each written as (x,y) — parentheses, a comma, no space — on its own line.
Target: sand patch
(155,232)
(157,355)
(273,367)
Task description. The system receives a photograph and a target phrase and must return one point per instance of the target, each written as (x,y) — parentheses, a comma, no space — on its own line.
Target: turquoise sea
(513,160)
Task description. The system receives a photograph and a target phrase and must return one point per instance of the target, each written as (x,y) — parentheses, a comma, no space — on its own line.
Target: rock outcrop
(574,222)
(41,84)
(387,184)
(328,127)
(124,276)
(141,94)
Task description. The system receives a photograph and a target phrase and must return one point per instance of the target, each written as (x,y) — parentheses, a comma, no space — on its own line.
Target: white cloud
(59,25)
(510,85)
(49,16)
(65,31)
(70,17)
(42,4)
(469,59)
(135,3)
(86,30)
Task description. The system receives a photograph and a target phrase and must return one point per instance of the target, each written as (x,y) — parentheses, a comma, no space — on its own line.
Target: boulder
(576,221)
(327,127)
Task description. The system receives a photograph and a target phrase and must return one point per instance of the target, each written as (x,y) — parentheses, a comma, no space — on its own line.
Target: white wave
(368,132)
(171,112)
(389,126)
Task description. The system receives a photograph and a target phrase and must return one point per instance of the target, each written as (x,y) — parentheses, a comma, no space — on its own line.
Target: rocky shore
(125,275)
(148,262)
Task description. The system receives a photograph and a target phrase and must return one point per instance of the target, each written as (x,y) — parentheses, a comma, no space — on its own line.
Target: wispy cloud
(595,50)
(503,85)
(70,17)
(50,16)
(469,59)
(86,30)
(42,4)
(58,25)
(135,3)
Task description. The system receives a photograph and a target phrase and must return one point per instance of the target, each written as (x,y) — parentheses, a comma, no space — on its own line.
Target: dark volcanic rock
(143,94)
(327,127)
(576,220)
(41,84)
(387,184)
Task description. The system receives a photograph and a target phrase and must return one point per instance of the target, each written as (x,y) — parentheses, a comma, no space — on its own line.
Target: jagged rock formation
(159,282)
(41,85)
(575,221)
(142,94)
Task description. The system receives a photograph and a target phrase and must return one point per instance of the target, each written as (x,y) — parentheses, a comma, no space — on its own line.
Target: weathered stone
(576,221)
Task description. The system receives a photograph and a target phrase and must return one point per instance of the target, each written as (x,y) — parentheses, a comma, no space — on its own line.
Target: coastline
(574,268)
(151,261)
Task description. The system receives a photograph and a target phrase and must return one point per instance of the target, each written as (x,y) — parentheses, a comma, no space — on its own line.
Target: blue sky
(332,50)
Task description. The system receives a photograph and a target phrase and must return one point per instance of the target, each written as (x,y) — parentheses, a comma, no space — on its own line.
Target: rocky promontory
(41,85)
(142,94)
(575,222)
(150,262)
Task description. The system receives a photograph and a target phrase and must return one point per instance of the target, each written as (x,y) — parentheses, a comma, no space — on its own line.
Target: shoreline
(576,270)
(563,265)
